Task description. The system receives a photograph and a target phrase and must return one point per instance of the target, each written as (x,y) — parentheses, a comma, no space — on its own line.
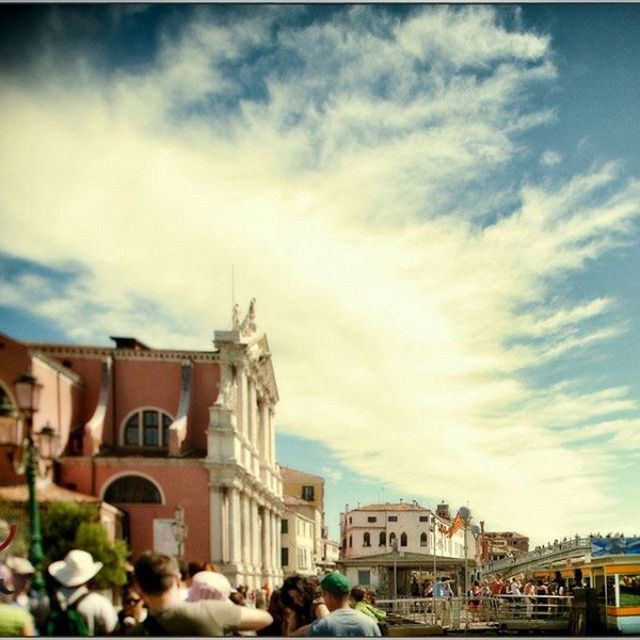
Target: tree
(60,523)
(92,537)
(67,526)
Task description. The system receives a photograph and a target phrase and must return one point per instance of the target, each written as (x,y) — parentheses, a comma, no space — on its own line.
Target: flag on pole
(456,525)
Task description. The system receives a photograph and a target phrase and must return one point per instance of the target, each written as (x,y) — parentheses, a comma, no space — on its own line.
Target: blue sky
(436,208)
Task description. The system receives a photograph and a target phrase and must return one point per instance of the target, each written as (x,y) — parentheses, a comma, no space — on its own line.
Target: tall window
(392,537)
(383,539)
(423,539)
(284,557)
(367,539)
(147,428)
(284,527)
(350,541)
(403,539)
(307,493)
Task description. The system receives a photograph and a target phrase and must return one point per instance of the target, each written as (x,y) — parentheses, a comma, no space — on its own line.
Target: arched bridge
(539,559)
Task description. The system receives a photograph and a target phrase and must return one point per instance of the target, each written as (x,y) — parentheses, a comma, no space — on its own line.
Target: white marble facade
(244,480)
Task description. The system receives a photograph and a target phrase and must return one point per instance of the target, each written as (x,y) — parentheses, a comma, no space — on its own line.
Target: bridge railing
(559,550)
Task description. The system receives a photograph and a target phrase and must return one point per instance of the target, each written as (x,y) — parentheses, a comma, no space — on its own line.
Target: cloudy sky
(436,208)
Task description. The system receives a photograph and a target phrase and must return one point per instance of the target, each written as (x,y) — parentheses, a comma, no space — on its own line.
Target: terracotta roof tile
(294,475)
(50,493)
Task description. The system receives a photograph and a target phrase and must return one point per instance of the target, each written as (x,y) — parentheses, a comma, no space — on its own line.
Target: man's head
(335,589)
(156,574)
(358,594)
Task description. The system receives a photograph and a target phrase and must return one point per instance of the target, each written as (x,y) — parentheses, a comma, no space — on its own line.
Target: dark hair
(304,612)
(197,567)
(358,593)
(155,572)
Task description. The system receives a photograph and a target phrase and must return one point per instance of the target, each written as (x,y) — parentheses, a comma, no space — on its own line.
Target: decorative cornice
(80,351)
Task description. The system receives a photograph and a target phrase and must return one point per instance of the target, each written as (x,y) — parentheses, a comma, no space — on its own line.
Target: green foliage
(92,537)
(60,523)
(67,526)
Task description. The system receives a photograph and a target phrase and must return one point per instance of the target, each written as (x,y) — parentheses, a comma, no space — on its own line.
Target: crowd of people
(166,597)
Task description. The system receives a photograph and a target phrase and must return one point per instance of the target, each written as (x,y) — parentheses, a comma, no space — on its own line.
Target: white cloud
(550,158)
(411,330)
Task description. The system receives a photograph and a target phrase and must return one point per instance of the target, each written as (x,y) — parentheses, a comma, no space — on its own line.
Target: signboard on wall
(163,538)
(614,546)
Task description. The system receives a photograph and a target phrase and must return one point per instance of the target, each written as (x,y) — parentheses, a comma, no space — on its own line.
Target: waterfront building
(496,545)
(382,540)
(157,431)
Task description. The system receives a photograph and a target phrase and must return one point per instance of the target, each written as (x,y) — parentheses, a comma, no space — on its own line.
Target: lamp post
(28,399)
(475,532)
(465,514)
(179,529)
(394,547)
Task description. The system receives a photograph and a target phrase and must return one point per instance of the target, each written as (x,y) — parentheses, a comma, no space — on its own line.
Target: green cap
(336,583)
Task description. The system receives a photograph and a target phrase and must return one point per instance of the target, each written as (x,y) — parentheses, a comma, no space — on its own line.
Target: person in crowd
(158,579)
(22,572)
(15,621)
(342,619)
(278,613)
(133,611)
(442,593)
(529,593)
(72,576)
(359,604)
(209,585)
(303,604)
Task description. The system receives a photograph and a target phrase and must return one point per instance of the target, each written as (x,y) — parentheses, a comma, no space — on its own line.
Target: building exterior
(380,540)
(298,540)
(304,496)
(497,545)
(151,430)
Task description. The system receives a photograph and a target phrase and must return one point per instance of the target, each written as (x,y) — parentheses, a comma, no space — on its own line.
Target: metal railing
(556,551)
(477,612)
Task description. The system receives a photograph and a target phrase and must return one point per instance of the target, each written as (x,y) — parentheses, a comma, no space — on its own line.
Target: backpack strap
(153,627)
(75,603)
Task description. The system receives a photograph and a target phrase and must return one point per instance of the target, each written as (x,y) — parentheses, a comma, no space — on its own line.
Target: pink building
(150,430)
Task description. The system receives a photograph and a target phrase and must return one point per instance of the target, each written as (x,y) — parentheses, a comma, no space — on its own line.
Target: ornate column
(240,393)
(267,571)
(216,523)
(246,531)
(271,435)
(263,451)
(234,528)
(255,537)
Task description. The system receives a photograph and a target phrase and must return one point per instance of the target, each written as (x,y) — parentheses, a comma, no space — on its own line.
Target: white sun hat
(20,566)
(77,568)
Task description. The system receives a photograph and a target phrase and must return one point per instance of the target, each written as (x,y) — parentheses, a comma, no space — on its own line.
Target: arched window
(383,539)
(147,428)
(423,539)
(403,539)
(350,542)
(366,542)
(392,537)
(134,490)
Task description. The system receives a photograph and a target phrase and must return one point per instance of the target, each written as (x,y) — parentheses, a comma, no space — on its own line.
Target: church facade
(158,432)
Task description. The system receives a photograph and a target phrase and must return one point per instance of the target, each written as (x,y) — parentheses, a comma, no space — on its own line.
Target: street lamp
(28,400)
(475,532)
(179,529)
(394,548)
(465,514)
